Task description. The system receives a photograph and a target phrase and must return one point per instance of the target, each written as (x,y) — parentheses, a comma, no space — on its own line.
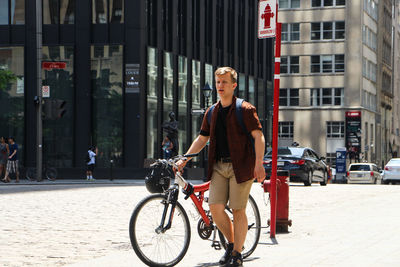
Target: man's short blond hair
(224,70)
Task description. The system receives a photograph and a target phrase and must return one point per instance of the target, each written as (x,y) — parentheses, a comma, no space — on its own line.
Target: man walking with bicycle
(234,161)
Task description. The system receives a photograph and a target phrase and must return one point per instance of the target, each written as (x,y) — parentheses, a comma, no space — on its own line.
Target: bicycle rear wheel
(254,228)
(154,247)
(51,174)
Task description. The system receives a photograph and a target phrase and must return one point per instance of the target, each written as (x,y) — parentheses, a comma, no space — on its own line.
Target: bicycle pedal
(216,245)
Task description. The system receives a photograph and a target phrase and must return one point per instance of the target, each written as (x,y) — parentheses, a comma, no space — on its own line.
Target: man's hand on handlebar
(180,164)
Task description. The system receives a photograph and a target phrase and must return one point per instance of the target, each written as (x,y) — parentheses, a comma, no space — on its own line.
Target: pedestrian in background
(167,146)
(233,162)
(4,152)
(12,163)
(90,162)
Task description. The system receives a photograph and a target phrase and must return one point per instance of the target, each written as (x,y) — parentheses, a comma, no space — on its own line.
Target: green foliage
(6,77)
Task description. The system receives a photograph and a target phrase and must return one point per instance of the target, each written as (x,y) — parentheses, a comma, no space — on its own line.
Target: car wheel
(309,179)
(325,180)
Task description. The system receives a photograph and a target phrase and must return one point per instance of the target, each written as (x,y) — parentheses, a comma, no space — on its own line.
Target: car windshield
(288,151)
(394,162)
(359,168)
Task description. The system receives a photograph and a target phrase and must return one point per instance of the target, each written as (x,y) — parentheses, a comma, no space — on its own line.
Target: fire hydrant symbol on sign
(267,16)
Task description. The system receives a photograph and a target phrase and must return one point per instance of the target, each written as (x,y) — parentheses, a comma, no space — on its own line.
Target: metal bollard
(282,209)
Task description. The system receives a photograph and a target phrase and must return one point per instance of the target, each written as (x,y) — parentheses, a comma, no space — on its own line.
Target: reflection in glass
(12,96)
(107,110)
(58,133)
(99,11)
(252,97)
(168,84)
(182,104)
(209,78)
(67,11)
(51,10)
(152,111)
(116,11)
(242,85)
(196,119)
(3,12)
(17,11)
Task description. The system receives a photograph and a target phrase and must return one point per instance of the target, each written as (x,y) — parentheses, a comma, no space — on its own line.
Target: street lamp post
(207,92)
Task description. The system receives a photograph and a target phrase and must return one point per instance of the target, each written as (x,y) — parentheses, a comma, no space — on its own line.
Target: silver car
(361,173)
(392,171)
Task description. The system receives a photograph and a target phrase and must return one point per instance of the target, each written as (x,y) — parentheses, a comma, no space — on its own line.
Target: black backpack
(239,117)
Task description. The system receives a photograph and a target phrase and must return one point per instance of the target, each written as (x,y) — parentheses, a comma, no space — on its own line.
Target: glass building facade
(122,67)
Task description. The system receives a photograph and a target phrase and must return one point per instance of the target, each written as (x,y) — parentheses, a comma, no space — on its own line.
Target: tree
(6,77)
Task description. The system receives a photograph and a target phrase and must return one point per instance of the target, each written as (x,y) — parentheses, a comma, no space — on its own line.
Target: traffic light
(59,108)
(53,109)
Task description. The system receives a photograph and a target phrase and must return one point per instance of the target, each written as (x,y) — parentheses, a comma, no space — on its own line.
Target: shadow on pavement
(39,187)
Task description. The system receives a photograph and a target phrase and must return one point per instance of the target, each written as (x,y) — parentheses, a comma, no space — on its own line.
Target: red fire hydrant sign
(266,19)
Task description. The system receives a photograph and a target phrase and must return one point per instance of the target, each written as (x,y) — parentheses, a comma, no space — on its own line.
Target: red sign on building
(49,65)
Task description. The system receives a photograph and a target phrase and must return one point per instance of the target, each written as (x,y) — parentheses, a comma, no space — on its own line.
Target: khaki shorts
(224,187)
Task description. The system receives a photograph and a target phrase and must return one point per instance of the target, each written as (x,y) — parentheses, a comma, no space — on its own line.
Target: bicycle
(159,227)
(49,173)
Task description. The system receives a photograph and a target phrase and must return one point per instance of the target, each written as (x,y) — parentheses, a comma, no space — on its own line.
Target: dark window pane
(340,2)
(294,60)
(12,99)
(327,30)
(328,2)
(295,3)
(315,3)
(107,107)
(58,134)
(284,3)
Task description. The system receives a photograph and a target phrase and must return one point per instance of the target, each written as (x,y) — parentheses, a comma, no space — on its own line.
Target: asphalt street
(75,223)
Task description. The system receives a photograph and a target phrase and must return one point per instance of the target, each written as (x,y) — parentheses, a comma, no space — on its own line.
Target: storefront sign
(132,78)
(49,65)
(266,19)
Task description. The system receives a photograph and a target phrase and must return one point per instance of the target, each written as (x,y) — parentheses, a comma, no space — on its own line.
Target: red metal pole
(275,125)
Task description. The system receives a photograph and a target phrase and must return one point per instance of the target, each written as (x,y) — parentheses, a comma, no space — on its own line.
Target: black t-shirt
(221,132)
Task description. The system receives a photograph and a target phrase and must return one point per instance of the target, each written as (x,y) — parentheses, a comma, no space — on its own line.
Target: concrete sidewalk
(79,223)
(336,225)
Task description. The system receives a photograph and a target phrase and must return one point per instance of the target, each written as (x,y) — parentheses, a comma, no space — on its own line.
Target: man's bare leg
(222,220)
(240,229)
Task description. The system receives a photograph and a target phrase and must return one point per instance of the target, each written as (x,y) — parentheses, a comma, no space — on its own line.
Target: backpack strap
(209,114)
(239,116)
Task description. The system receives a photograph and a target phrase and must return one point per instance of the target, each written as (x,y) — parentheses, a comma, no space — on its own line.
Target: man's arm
(198,144)
(259,146)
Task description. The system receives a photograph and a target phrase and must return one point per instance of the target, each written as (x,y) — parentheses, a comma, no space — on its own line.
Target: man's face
(225,86)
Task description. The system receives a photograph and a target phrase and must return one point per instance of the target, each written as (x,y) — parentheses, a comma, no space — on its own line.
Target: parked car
(303,164)
(363,173)
(392,171)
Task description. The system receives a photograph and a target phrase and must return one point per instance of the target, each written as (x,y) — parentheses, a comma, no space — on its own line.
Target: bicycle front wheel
(155,247)
(51,174)
(253,230)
